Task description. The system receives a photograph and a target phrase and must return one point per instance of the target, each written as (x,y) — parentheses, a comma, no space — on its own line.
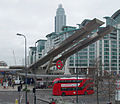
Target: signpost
(59,64)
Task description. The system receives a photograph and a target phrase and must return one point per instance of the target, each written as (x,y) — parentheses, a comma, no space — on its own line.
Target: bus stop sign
(59,64)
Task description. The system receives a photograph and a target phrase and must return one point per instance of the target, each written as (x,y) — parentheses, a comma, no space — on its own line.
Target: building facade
(36,52)
(31,56)
(111,45)
(40,48)
(106,50)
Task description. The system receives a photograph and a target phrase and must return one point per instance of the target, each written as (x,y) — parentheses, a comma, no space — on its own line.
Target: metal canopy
(77,36)
(104,31)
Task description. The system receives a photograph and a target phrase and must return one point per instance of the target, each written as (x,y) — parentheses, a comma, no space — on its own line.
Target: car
(17,82)
(40,85)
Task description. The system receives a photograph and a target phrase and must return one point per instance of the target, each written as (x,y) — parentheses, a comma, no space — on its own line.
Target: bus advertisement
(68,86)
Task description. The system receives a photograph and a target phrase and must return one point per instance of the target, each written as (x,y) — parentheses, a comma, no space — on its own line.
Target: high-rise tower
(60,19)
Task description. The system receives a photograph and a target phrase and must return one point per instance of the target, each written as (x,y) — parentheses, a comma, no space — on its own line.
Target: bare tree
(104,84)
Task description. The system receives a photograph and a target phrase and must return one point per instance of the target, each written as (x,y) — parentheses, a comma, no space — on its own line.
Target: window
(106,45)
(114,65)
(71,61)
(106,61)
(114,53)
(71,89)
(106,41)
(106,49)
(106,53)
(71,64)
(106,65)
(114,49)
(70,81)
(83,64)
(114,42)
(106,57)
(114,46)
(92,53)
(91,57)
(90,88)
(114,61)
(92,49)
(114,57)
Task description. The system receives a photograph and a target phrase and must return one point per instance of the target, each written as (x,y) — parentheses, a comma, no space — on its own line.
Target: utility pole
(97,82)
(77,78)
(14,57)
(26,71)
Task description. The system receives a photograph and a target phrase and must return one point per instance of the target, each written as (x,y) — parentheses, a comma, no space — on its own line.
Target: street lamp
(77,79)
(35,75)
(25,65)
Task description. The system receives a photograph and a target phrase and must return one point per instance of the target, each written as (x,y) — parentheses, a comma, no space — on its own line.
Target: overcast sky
(35,19)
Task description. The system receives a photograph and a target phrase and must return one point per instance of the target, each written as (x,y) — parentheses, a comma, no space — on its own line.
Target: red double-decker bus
(68,86)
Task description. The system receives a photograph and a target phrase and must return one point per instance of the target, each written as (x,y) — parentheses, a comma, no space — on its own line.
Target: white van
(17,80)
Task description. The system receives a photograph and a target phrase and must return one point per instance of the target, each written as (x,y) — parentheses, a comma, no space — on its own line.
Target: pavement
(9,88)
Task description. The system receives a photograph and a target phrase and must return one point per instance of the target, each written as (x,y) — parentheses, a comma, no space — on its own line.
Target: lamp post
(77,78)
(35,75)
(25,66)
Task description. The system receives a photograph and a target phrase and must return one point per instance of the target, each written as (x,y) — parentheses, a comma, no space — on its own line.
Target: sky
(35,19)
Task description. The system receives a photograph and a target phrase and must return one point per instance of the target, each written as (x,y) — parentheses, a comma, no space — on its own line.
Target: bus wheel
(85,92)
(63,94)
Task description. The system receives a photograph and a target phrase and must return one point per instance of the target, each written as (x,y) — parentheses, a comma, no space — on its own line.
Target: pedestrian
(21,84)
(6,84)
(31,81)
(13,83)
(1,82)
(10,82)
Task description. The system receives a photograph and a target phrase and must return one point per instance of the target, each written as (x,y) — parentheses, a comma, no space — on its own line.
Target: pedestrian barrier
(44,100)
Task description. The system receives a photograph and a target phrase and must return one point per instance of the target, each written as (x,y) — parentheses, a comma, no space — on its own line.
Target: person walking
(13,83)
(21,84)
(6,84)
(1,82)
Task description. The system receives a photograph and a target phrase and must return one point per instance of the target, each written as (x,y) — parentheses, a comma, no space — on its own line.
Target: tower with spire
(60,19)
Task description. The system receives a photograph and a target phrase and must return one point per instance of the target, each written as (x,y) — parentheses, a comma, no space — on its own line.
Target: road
(8,97)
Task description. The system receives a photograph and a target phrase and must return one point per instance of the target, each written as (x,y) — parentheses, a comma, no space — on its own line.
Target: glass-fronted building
(31,56)
(39,49)
(111,45)
(105,50)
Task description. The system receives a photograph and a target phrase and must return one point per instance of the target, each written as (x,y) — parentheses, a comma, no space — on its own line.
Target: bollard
(53,102)
(16,101)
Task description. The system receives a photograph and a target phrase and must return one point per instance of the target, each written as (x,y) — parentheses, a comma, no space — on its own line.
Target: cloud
(35,19)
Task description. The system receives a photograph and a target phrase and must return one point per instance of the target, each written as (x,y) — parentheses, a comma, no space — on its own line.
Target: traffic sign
(59,64)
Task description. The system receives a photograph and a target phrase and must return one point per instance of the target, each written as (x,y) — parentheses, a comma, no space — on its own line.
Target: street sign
(59,64)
